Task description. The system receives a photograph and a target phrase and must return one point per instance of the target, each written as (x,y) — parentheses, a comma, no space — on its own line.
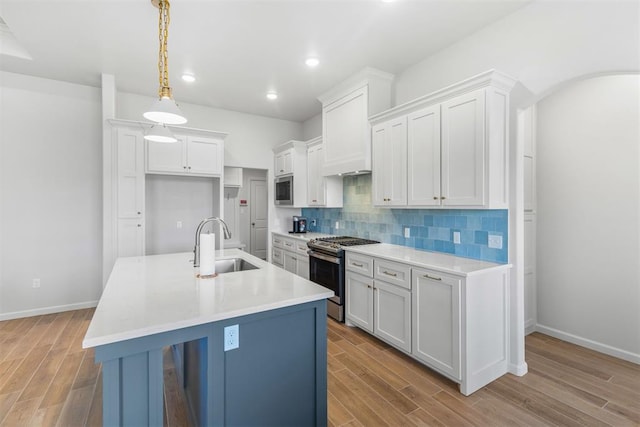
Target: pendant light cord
(163,57)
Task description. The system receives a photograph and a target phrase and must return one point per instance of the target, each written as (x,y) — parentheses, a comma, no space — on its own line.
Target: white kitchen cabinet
(359,300)
(455,321)
(290,254)
(463,150)
(392,314)
(389,146)
(129,237)
(284,162)
(378,298)
(423,157)
(436,319)
(325,191)
(232,177)
(345,127)
(457,146)
(191,155)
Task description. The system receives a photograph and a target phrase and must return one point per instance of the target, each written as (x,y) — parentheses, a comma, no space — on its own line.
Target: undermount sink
(230,265)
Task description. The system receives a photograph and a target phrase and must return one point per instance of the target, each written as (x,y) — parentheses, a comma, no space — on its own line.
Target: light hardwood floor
(47,379)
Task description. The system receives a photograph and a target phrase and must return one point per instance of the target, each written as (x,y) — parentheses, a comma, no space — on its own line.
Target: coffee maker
(299,224)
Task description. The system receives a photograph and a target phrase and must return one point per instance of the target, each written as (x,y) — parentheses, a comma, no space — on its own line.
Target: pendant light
(165,110)
(160,133)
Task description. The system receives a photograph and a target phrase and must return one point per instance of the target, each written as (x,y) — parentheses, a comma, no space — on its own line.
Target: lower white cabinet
(290,254)
(377,306)
(359,300)
(455,322)
(436,316)
(392,314)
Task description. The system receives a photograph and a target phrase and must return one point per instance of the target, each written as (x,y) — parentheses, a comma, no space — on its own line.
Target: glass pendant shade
(165,110)
(160,133)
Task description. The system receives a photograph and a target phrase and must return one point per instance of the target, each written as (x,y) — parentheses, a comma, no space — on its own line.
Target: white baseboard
(47,310)
(529,326)
(518,370)
(593,345)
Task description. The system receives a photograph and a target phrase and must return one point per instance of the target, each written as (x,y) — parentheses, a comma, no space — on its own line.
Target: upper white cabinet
(389,145)
(232,177)
(345,126)
(284,162)
(325,191)
(191,155)
(456,147)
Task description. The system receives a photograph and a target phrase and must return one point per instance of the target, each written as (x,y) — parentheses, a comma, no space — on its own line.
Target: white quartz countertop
(302,236)
(444,263)
(159,293)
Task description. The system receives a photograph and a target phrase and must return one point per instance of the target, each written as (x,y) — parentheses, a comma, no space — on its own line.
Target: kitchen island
(156,301)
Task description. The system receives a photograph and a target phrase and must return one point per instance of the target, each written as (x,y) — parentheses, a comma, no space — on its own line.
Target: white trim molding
(590,344)
(47,310)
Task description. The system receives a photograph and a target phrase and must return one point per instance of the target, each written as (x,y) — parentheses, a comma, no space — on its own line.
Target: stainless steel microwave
(284,190)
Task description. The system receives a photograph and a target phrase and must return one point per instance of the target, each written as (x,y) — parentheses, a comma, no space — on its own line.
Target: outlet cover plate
(495,241)
(231,337)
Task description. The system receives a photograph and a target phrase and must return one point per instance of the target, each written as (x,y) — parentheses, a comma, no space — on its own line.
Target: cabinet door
(130,237)
(463,150)
(277,257)
(302,269)
(205,156)
(290,261)
(167,156)
(436,320)
(346,132)
(392,311)
(423,157)
(359,300)
(130,172)
(315,180)
(389,145)
(284,163)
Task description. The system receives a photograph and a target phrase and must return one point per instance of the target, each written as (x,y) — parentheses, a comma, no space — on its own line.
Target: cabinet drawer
(277,241)
(288,245)
(360,264)
(302,248)
(392,272)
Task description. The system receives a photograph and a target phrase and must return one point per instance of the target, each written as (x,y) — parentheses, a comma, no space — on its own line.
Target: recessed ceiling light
(312,62)
(272,95)
(189,78)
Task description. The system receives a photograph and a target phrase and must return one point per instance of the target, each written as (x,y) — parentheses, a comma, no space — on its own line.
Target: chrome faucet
(196,250)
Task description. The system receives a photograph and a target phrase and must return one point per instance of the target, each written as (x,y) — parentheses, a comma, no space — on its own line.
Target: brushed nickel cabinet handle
(442,197)
(426,276)
(390,274)
(435,197)
(356,264)
(369,286)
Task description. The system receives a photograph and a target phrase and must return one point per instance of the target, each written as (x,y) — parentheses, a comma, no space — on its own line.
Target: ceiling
(238,50)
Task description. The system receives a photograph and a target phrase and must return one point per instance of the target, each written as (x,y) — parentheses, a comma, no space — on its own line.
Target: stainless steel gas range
(326,267)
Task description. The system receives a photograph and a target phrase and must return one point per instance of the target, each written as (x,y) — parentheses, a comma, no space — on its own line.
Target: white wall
(542,45)
(312,127)
(50,195)
(588,238)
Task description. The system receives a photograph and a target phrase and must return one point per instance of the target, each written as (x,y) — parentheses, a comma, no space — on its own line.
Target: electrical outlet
(407,232)
(313,222)
(337,225)
(231,337)
(36,283)
(179,224)
(495,241)
(456,237)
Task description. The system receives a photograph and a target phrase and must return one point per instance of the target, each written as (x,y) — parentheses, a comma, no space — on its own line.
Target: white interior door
(259,219)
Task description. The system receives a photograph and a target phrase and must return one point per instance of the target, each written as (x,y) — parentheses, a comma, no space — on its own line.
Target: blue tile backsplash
(430,229)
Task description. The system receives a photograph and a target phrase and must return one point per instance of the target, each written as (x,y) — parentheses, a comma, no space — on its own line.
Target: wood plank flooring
(47,379)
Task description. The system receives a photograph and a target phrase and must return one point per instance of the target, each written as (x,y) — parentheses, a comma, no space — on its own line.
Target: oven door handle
(328,258)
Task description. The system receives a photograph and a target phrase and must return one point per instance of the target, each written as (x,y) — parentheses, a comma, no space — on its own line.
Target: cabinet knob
(139,225)
(369,286)
(442,198)
(281,170)
(435,197)
(139,213)
(189,168)
(184,167)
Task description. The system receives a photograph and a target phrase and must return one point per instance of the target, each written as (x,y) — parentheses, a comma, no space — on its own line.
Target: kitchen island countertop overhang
(160,293)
